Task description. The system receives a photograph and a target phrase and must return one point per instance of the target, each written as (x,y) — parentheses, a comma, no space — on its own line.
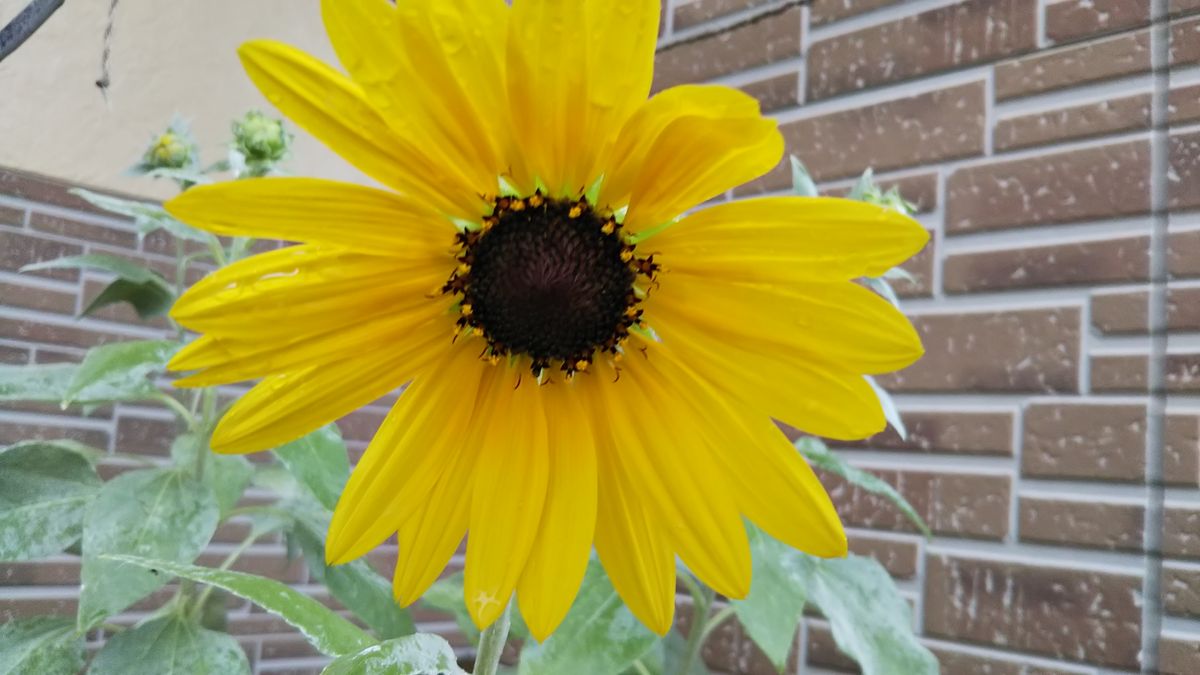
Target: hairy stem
(702,599)
(491,644)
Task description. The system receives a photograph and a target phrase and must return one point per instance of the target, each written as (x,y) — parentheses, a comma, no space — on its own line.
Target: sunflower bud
(260,138)
(172,149)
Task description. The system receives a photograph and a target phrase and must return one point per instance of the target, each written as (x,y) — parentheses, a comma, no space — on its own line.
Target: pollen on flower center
(550,279)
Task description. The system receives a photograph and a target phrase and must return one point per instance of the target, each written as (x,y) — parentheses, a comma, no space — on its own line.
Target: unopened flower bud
(260,138)
(171,149)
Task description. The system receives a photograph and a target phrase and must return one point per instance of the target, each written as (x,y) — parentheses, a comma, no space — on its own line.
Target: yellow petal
(695,159)
(782,240)
(434,71)
(666,462)
(841,324)
(767,477)
(624,164)
(806,394)
(632,546)
(429,539)
(421,435)
(314,210)
(227,360)
(560,553)
(335,110)
(284,407)
(293,291)
(507,497)
(576,72)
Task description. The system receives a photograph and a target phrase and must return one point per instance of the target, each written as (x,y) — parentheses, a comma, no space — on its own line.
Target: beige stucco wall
(168,57)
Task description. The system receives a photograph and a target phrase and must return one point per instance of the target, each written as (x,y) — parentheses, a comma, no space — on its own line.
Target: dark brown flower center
(549,279)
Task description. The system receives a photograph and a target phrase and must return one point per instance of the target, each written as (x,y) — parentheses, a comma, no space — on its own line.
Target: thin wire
(105,55)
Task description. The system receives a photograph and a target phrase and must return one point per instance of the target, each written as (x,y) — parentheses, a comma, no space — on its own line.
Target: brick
(287,647)
(964,663)
(964,34)
(898,557)
(11,216)
(1095,61)
(1128,313)
(38,299)
(930,127)
(1181,451)
(775,93)
(13,432)
(692,12)
(1099,182)
(40,573)
(1068,522)
(18,250)
(52,191)
(1179,655)
(266,564)
(966,433)
(31,331)
(1183,254)
(1108,261)
(1183,104)
(145,436)
(1181,589)
(1119,374)
(1176,7)
(1094,119)
(76,229)
(972,505)
(1183,373)
(825,11)
(1185,42)
(13,356)
(1181,532)
(1030,351)
(24,607)
(1183,184)
(1069,613)
(1085,441)
(1073,19)
(823,650)
(770,39)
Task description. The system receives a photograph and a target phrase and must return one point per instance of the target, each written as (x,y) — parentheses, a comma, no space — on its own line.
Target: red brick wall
(1022,129)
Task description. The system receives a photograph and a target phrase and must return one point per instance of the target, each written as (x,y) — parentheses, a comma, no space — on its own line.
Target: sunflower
(585,365)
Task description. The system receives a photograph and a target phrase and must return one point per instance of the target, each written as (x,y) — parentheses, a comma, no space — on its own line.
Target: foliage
(145,528)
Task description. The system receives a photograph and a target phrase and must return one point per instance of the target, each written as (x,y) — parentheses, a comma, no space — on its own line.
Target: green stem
(208,420)
(491,644)
(236,553)
(641,667)
(178,408)
(717,619)
(702,599)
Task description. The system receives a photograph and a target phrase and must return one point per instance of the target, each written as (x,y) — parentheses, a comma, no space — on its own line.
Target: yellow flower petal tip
(582,364)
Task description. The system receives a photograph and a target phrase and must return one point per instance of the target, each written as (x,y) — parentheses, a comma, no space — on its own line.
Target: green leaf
(771,613)
(871,622)
(864,187)
(329,633)
(802,182)
(320,462)
(599,636)
(44,383)
(120,371)
(446,594)
(149,299)
(170,646)
(41,644)
(822,458)
(355,584)
(44,489)
(890,412)
(226,475)
(146,217)
(157,513)
(421,654)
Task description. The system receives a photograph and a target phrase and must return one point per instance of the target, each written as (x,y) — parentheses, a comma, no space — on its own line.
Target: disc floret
(551,280)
